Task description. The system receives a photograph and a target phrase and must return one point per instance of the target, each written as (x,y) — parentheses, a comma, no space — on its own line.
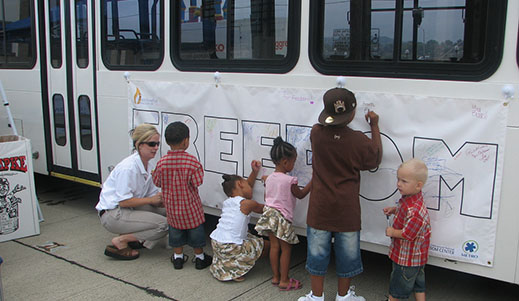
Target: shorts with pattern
(273,221)
(231,261)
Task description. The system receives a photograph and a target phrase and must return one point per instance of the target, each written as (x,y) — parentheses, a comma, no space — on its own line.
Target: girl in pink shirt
(281,191)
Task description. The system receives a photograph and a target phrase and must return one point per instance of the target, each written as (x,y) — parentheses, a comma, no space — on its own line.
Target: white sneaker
(311,297)
(350,296)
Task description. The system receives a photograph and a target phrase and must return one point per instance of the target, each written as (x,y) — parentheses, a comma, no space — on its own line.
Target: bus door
(71,90)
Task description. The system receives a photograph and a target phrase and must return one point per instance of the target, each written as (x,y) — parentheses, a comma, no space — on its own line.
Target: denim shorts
(195,237)
(347,252)
(406,280)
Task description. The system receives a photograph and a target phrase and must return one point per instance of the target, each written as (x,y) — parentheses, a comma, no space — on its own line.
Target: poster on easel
(18,202)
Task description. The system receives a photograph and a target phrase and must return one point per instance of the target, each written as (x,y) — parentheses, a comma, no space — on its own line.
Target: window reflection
(132,33)
(234,30)
(81,34)
(58,107)
(16,34)
(55,33)
(85,122)
(367,30)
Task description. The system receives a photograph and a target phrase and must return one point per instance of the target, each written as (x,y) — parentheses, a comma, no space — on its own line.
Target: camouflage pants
(231,261)
(273,221)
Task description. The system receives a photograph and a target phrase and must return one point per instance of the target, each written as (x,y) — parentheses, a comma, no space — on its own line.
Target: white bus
(441,74)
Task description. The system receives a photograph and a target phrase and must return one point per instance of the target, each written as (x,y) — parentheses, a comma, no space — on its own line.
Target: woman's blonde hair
(142,133)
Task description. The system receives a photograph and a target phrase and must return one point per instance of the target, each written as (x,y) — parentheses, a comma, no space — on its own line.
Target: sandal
(122,254)
(239,279)
(136,245)
(293,285)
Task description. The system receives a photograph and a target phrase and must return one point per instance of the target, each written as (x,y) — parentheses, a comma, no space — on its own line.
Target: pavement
(66,262)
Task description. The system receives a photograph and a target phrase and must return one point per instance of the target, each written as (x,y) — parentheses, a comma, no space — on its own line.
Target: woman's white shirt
(129,179)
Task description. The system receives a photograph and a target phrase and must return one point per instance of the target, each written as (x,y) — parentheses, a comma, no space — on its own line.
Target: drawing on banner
(220,156)
(219,152)
(258,138)
(297,96)
(367,106)
(145,116)
(450,184)
(379,176)
(239,124)
(299,137)
(9,216)
(169,117)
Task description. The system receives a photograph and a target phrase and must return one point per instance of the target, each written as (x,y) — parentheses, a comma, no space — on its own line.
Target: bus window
(58,107)
(424,38)
(55,33)
(405,39)
(132,36)
(81,34)
(235,35)
(85,123)
(17,35)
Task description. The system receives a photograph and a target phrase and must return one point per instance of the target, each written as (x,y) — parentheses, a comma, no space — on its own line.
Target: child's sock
(200,256)
(181,255)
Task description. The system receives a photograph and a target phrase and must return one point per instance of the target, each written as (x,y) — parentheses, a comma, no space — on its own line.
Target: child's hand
(389,210)
(255,165)
(389,231)
(156,200)
(372,118)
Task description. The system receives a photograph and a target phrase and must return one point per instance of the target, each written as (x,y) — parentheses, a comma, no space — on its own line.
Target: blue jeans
(195,237)
(406,280)
(347,252)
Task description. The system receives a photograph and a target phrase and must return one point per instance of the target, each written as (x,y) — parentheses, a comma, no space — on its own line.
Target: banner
(461,141)
(18,208)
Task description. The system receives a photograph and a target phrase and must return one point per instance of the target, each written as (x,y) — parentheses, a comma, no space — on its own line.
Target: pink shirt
(278,194)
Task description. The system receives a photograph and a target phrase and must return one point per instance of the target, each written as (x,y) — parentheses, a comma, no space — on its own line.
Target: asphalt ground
(66,262)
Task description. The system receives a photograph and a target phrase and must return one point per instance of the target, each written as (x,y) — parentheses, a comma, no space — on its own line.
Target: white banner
(461,140)
(18,208)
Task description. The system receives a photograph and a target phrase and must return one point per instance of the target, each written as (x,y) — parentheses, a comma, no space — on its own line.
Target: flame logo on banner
(137,97)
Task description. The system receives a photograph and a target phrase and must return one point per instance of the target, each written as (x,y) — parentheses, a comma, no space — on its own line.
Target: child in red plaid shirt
(410,233)
(179,174)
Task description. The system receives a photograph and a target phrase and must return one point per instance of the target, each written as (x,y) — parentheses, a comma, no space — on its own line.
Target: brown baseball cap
(339,103)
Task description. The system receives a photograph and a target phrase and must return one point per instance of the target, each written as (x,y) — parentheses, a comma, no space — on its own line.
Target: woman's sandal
(122,254)
(239,279)
(136,245)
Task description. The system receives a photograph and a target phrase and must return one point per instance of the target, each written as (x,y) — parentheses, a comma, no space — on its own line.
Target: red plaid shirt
(413,219)
(179,174)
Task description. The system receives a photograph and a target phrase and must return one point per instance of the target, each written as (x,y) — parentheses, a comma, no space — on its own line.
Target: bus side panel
(23,91)
(113,119)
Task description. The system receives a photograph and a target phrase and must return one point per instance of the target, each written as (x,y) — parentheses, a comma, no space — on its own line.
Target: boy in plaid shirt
(410,233)
(179,174)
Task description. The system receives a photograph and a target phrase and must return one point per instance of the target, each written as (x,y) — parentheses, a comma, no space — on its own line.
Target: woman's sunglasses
(152,143)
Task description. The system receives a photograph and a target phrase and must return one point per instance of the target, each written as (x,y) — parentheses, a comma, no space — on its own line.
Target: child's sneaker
(202,264)
(311,297)
(350,296)
(178,263)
